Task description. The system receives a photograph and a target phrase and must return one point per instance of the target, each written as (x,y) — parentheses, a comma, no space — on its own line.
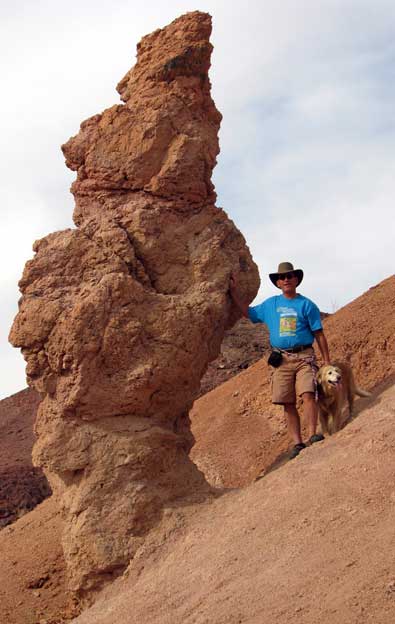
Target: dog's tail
(361,393)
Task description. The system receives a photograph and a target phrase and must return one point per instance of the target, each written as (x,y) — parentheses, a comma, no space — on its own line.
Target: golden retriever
(336,387)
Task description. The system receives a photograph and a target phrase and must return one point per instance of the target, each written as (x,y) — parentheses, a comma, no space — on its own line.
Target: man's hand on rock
(233,282)
(233,289)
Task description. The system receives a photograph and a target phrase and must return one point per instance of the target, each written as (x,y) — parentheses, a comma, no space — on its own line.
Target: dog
(336,386)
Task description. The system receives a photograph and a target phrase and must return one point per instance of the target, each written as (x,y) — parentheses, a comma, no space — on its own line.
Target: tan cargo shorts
(292,378)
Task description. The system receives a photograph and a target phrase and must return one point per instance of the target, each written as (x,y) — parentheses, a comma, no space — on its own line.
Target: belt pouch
(275,359)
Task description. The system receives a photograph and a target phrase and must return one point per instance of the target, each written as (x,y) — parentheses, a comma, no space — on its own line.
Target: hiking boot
(317,437)
(296,450)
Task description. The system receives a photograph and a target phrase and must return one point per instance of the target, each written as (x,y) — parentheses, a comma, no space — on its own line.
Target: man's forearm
(242,305)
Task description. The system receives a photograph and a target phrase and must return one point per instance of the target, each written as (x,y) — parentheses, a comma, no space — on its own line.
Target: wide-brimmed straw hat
(286,267)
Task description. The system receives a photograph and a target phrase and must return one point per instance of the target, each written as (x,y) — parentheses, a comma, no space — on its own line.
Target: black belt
(296,349)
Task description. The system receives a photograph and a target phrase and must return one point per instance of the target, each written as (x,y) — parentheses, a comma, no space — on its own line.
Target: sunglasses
(283,276)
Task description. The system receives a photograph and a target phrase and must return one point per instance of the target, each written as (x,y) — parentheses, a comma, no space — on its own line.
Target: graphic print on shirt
(288,320)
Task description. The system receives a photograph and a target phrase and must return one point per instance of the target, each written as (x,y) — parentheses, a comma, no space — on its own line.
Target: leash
(310,359)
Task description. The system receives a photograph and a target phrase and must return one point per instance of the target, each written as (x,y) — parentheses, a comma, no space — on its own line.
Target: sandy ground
(311,542)
(321,525)
(32,576)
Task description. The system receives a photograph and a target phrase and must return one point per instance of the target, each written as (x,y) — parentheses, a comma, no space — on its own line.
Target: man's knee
(289,407)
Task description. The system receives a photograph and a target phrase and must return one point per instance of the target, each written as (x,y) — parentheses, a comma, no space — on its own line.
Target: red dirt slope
(22,487)
(32,574)
(311,542)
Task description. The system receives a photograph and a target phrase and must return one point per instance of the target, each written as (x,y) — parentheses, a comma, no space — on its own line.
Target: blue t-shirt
(291,322)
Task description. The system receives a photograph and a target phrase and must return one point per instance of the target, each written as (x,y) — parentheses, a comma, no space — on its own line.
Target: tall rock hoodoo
(120,317)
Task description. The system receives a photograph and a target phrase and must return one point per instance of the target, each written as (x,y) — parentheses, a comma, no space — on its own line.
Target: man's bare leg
(293,422)
(310,411)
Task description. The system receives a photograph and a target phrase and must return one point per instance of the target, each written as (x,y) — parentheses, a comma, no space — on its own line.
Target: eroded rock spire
(120,317)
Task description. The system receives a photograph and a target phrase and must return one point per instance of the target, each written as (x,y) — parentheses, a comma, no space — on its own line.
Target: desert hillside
(312,542)
(32,573)
(323,521)
(22,486)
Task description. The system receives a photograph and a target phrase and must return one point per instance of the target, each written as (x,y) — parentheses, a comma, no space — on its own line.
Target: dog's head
(329,376)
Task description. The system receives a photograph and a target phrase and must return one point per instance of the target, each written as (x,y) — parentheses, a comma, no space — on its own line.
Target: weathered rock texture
(120,317)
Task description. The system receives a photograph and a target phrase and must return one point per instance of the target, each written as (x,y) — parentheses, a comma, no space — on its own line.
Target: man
(294,323)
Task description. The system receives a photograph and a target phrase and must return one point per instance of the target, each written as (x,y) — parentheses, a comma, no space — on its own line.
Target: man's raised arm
(243,307)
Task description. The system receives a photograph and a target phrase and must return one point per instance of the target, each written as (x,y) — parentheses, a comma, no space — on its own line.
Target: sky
(306,169)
